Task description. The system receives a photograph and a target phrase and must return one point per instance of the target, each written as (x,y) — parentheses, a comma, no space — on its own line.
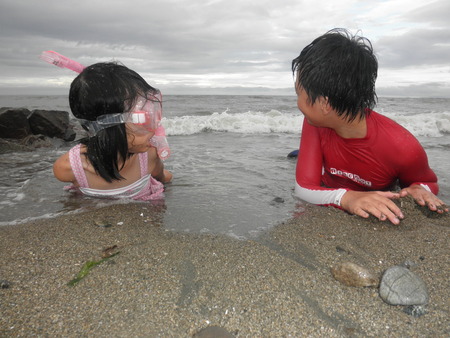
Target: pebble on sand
(400,286)
(352,274)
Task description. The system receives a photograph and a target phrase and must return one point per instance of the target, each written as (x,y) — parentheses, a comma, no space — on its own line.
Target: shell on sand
(351,274)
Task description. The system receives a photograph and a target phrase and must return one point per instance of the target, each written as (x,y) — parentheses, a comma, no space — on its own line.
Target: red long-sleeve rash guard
(329,165)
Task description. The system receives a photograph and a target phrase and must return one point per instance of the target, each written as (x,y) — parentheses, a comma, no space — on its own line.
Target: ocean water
(231,172)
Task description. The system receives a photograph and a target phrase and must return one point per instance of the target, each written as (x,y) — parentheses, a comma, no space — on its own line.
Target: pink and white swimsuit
(146,188)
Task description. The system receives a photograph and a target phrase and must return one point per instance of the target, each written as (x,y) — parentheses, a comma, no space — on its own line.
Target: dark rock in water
(20,123)
(69,135)
(351,274)
(213,332)
(278,200)
(14,123)
(400,286)
(52,123)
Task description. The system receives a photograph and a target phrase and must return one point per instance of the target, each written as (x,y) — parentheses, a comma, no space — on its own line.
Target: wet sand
(163,283)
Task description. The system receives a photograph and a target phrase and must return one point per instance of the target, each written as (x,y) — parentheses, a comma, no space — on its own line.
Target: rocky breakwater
(22,129)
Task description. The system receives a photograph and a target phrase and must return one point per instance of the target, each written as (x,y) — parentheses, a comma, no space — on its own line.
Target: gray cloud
(435,13)
(415,47)
(426,43)
(196,45)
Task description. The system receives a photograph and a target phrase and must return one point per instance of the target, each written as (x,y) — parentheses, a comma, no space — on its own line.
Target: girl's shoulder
(80,158)
(62,169)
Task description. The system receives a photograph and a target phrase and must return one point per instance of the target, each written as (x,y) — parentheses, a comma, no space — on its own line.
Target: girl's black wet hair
(106,88)
(342,68)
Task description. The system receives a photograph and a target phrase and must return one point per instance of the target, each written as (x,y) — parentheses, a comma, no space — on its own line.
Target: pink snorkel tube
(61,61)
(159,140)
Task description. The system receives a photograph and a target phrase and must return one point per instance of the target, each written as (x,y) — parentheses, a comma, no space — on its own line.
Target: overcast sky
(220,46)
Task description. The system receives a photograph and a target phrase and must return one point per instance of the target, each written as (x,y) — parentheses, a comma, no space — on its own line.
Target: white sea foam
(424,124)
(243,123)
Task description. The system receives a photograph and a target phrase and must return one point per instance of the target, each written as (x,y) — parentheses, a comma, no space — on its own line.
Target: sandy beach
(167,284)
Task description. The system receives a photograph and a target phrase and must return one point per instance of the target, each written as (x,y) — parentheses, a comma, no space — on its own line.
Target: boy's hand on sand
(424,197)
(376,203)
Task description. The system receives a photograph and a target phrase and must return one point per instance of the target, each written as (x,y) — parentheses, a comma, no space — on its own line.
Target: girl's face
(138,138)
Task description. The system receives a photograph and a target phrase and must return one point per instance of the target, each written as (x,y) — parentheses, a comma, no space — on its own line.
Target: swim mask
(147,112)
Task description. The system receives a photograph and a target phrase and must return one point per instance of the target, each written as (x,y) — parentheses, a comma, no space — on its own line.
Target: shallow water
(231,173)
(238,193)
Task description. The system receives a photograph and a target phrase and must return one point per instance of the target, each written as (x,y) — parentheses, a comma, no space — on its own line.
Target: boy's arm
(309,171)
(419,180)
(414,168)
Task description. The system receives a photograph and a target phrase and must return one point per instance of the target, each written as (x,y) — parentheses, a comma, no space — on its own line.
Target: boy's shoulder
(390,134)
(384,123)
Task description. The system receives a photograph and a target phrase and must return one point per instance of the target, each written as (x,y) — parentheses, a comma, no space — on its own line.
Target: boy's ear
(325,105)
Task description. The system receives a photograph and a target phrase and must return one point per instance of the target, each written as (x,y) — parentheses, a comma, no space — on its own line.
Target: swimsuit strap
(143,162)
(77,166)
(80,175)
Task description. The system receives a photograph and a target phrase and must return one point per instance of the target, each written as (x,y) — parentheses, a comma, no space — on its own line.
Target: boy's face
(312,112)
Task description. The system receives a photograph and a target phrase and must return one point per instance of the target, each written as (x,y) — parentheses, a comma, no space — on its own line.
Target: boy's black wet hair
(342,68)
(106,88)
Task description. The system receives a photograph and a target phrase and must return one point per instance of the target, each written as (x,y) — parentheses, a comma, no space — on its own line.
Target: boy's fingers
(388,211)
(394,220)
(362,213)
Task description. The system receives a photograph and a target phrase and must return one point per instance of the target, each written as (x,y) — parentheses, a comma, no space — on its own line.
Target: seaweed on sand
(86,268)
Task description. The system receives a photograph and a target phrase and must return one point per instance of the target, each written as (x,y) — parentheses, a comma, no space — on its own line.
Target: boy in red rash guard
(350,156)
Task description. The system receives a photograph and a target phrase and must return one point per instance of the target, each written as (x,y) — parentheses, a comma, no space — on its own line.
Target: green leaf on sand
(87,268)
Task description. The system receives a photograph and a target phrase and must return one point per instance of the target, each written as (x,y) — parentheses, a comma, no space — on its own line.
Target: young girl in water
(120,111)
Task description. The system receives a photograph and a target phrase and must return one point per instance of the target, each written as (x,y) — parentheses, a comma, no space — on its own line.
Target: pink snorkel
(159,140)
(61,61)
